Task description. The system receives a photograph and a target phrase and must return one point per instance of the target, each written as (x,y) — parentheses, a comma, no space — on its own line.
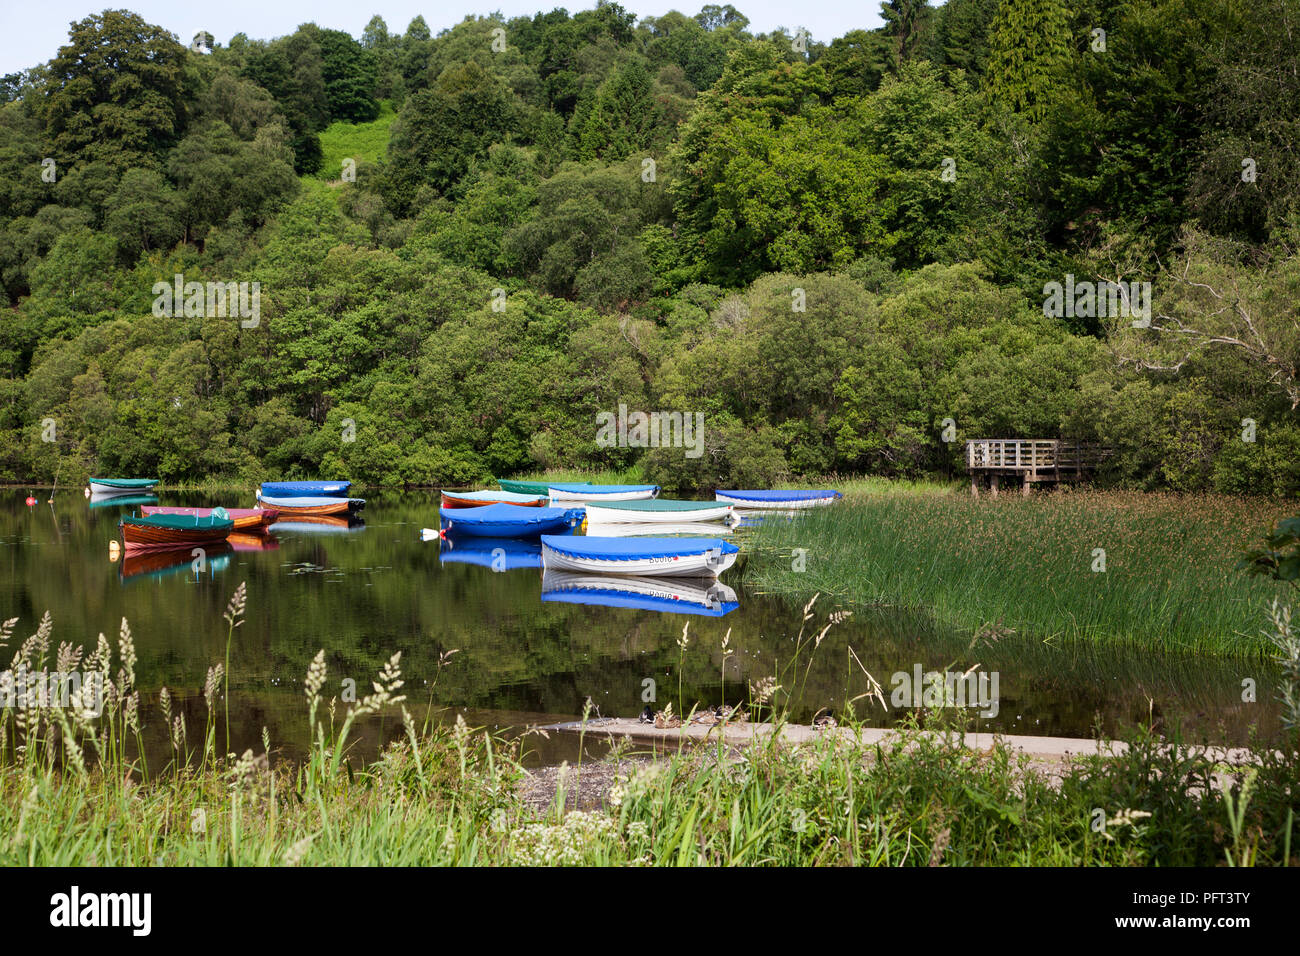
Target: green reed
(1151,571)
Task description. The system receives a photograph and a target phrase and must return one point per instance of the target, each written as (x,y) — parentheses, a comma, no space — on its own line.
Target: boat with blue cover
(508,521)
(306,489)
(709,598)
(311,505)
(650,556)
(783,499)
(581,491)
(499,554)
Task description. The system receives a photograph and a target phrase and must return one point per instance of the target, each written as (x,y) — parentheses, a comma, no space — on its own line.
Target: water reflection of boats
(671,595)
(319,524)
(499,554)
(122,500)
(252,541)
(160,563)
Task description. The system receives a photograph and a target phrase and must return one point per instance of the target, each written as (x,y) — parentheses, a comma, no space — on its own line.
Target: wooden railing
(1036,456)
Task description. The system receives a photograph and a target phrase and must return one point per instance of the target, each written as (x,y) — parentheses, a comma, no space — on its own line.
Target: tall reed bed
(1149,571)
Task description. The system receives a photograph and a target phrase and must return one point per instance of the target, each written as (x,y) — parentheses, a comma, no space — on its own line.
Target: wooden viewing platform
(1031,460)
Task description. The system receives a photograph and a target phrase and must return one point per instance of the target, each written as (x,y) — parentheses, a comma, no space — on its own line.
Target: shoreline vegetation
(73,791)
(1080,568)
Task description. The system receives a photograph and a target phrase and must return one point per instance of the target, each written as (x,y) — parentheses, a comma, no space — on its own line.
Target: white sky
(31,32)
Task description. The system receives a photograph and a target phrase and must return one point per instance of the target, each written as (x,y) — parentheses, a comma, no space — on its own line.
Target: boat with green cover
(523,487)
(647,510)
(120,486)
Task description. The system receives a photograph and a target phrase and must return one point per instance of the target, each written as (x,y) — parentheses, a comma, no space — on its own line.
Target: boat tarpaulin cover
(657,505)
(583,488)
(634,549)
(780,494)
(300,489)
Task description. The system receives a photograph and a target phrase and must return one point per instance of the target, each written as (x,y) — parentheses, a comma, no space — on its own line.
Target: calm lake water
(363,593)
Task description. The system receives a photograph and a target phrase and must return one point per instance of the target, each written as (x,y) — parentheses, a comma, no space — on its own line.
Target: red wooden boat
(312,506)
(479,499)
(245,519)
(173,532)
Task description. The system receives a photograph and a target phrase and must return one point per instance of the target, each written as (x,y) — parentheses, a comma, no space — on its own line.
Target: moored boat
(648,510)
(477,499)
(783,499)
(245,519)
(311,505)
(306,489)
(121,486)
(508,521)
(169,532)
(651,556)
(583,491)
(626,529)
(522,487)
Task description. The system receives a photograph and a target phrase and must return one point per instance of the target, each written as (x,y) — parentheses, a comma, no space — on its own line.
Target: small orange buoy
(113,550)
(30,501)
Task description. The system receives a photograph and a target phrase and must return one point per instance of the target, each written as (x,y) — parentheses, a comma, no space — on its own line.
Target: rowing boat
(780,498)
(477,499)
(306,505)
(508,521)
(306,489)
(707,597)
(585,491)
(245,519)
(626,529)
(656,510)
(167,532)
(120,486)
(657,557)
(522,487)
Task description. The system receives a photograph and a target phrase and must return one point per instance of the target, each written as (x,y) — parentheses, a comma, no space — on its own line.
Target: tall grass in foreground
(73,792)
(1145,570)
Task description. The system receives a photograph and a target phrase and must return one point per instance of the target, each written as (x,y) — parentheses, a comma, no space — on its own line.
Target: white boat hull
(628,530)
(110,490)
(707,564)
(556,494)
(615,516)
(751,504)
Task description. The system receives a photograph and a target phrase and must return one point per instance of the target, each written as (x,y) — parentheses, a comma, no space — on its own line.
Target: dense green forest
(468,245)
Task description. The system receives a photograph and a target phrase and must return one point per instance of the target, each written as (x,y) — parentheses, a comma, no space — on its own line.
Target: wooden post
(974,485)
(993,484)
(1024,485)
